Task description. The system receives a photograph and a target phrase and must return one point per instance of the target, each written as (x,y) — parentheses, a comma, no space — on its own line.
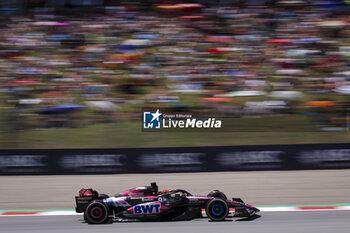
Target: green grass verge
(128,134)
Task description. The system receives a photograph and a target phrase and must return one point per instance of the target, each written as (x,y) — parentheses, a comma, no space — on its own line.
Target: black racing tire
(96,212)
(217,209)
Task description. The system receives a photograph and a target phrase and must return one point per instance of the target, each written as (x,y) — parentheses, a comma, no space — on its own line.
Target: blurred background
(76,73)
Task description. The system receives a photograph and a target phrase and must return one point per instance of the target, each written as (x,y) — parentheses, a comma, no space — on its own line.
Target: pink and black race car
(147,203)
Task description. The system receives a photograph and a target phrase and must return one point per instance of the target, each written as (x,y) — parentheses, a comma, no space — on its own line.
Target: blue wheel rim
(217,209)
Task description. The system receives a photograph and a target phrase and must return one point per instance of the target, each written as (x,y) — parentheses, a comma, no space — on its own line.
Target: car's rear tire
(217,209)
(96,212)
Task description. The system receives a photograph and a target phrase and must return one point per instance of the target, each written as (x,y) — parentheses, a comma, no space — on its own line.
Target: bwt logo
(147,209)
(151,120)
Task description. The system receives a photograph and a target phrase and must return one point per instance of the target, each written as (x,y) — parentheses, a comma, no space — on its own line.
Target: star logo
(156,115)
(152,119)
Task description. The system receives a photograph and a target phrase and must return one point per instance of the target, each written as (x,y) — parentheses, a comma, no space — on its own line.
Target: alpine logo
(116,201)
(147,209)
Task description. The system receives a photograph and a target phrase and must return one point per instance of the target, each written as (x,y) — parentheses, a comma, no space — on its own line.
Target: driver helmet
(165,191)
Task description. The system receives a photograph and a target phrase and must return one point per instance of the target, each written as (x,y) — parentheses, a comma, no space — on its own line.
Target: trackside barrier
(179,159)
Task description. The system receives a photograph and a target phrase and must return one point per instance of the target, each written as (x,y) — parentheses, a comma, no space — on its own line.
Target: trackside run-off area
(273,222)
(290,201)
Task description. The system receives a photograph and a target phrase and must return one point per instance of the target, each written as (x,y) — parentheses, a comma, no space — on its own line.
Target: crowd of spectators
(68,70)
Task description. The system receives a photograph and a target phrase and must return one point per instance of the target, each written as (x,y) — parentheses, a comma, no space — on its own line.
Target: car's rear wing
(84,198)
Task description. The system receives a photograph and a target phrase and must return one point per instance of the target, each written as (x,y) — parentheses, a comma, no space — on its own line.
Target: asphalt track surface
(259,188)
(293,222)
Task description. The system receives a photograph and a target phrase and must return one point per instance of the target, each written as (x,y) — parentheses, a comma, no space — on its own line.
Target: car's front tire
(217,194)
(217,209)
(96,212)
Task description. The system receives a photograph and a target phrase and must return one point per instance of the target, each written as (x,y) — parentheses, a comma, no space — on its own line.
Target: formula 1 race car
(146,203)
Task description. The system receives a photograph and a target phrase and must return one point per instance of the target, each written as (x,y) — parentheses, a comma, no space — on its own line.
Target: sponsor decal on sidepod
(147,209)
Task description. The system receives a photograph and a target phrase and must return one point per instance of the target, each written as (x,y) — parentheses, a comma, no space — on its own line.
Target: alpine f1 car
(147,203)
